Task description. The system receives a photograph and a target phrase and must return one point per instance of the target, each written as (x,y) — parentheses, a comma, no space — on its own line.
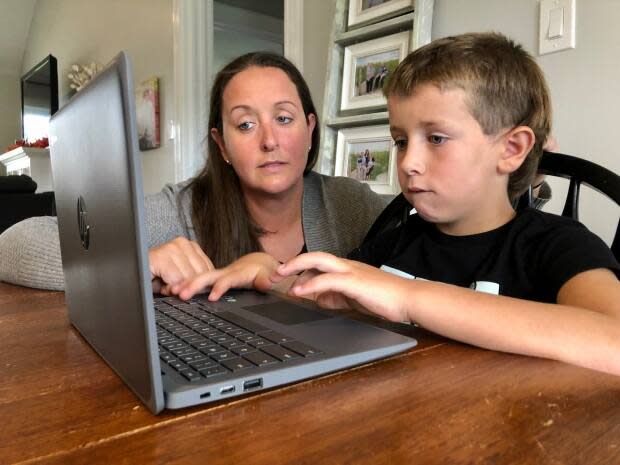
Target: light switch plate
(557,20)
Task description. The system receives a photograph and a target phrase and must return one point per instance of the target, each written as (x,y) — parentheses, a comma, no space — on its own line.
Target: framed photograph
(367,67)
(367,11)
(147,114)
(368,155)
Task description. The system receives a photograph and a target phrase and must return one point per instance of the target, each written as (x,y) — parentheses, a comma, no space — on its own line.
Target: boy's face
(447,166)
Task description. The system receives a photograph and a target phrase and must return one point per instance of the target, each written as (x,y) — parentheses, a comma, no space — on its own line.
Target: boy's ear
(517,144)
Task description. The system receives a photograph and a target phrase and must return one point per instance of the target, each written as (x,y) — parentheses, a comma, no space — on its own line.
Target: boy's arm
(583,328)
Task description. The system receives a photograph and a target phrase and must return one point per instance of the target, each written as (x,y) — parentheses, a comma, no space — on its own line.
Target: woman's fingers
(177,260)
(189,258)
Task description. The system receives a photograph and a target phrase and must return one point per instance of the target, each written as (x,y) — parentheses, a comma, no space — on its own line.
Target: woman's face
(265,136)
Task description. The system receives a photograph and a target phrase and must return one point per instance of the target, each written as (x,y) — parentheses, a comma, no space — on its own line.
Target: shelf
(357,120)
(372,31)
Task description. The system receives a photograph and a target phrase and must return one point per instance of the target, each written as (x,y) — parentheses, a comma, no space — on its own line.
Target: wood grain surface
(442,402)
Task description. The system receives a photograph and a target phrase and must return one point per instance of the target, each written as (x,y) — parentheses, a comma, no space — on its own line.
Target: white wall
(10,110)
(584,82)
(77,31)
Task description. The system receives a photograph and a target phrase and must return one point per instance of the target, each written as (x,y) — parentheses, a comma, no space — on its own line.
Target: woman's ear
(219,140)
(311,122)
(517,144)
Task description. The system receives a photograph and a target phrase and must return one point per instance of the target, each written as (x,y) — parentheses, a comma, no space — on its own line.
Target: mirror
(39,99)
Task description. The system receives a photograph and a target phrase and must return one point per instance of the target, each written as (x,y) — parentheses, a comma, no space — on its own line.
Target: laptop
(171,353)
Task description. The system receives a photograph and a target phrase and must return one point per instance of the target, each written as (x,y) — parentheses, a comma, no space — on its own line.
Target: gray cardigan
(336,214)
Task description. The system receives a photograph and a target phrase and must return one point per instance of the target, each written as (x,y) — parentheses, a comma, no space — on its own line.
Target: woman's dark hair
(224,228)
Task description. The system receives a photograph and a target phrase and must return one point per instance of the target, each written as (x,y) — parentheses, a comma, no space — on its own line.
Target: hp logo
(83,226)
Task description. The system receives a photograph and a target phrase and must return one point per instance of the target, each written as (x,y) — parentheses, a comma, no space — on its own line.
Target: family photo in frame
(368,155)
(367,67)
(147,114)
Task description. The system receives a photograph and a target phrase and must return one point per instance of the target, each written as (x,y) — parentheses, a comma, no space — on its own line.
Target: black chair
(392,216)
(18,201)
(578,170)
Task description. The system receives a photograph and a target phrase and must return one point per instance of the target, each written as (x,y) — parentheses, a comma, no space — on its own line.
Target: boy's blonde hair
(505,88)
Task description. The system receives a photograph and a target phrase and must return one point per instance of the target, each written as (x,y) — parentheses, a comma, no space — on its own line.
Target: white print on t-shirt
(485,286)
(480,286)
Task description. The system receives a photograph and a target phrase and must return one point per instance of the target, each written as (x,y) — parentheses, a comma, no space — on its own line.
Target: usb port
(227,389)
(253,384)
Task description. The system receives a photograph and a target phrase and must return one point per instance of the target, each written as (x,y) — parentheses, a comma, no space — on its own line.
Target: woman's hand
(175,261)
(250,271)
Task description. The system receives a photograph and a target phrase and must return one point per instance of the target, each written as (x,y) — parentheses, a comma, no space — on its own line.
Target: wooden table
(442,402)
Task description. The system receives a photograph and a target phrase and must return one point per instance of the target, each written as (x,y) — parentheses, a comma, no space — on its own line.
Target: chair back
(579,171)
(392,216)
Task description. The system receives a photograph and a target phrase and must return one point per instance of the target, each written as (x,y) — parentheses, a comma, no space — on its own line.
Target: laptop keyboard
(201,340)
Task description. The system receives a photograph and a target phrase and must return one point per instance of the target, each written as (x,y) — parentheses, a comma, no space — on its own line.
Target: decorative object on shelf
(368,11)
(367,66)
(80,75)
(41,143)
(368,155)
(147,114)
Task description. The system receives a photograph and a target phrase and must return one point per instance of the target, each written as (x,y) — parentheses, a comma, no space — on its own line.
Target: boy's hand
(347,284)
(174,261)
(252,270)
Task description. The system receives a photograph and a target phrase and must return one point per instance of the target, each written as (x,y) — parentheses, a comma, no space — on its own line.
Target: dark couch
(18,200)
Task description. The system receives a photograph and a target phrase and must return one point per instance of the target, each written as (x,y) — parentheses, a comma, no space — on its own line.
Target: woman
(256,192)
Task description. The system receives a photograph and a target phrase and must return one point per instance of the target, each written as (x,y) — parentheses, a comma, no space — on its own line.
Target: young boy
(469,115)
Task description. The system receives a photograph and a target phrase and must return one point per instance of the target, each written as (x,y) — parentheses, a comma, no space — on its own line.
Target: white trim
(422,23)
(294,32)
(192,24)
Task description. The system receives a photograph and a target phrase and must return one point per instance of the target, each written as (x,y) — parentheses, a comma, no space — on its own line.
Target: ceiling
(15,19)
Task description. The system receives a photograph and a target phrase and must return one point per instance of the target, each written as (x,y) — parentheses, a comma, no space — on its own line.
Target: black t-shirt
(530,257)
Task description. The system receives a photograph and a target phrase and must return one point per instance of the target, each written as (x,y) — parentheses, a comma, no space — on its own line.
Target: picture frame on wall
(367,67)
(147,114)
(368,154)
(368,11)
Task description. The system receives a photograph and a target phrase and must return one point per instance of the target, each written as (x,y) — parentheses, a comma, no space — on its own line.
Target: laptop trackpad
(287,313)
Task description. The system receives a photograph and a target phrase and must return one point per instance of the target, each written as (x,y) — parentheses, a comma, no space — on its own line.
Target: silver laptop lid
(99,200)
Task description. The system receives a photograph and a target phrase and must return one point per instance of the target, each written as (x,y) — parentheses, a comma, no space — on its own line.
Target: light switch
(557,25)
